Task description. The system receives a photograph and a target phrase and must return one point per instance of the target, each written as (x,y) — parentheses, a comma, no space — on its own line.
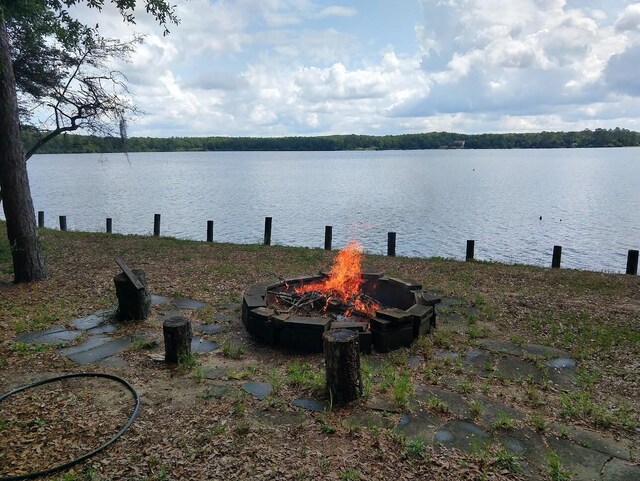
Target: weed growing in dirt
(232,349)
(556,470)
(503,421)
(305,376)
(351,474)
(416,448)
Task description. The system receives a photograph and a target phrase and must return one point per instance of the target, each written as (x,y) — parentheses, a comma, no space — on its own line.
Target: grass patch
(232,349)
(305,376)
(557,472)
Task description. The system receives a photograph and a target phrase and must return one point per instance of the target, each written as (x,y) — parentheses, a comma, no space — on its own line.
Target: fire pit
(387,313)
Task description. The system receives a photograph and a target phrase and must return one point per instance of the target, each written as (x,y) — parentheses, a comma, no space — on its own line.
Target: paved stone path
(101,342)
(460,421)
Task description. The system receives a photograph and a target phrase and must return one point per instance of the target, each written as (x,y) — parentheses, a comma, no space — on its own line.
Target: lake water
(434,200)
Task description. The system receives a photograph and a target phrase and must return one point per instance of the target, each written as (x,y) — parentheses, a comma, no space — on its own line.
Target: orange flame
(344,281)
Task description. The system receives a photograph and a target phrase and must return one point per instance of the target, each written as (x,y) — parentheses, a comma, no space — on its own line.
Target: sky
(301,67)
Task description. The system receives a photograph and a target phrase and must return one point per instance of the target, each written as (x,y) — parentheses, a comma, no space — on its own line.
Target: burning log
(342,364)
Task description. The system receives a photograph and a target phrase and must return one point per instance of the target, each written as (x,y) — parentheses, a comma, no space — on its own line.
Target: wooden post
(63,222)
(109,225)
(156,225)
(328,234)
(177,339)
(134,300)
(557,257)
(471,248)
(342,365)
(40,218)
(632,262)
(209,231)
(267,231)
(391,244)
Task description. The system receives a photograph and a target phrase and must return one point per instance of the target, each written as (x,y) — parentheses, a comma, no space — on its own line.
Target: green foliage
(432,140)
(304,376)
(351,474)
(503,421)
(557,472)
(416,448)
(233,350)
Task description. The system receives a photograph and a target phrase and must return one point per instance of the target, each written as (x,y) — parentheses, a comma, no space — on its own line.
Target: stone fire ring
(412,314)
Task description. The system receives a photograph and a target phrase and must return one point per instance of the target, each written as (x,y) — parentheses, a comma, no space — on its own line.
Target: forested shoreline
(71,143)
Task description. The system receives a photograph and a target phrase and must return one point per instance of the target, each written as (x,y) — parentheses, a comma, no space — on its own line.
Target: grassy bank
(592,315)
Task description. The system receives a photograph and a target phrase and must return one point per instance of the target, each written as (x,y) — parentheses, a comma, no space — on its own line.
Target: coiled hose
(84,457)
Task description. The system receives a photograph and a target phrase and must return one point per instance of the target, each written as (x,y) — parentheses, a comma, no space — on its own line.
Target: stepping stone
(518,370)
(310,405)
(493,410)
(451,301)
(53,335)
(217,391)
(225,317)
(595,441)
(617,470)
(463,435)
(585,464)
(259,390)
(184,303)
(545,351)
(501,347)
(93,320)
(371,419)
(420,425)
(216,372)
(562,372)
(95,349)
(208,328)
(414,362)
(481,362)
(448,355)
(155,300)
(452,322)
(104,329)
(458,406)
(199,344)
(529,445)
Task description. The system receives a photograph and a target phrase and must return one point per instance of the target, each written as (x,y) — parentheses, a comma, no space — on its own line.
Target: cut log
(177,339)
(133,303)
(342,364)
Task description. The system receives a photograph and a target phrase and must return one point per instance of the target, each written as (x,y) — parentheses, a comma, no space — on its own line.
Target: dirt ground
(196,422)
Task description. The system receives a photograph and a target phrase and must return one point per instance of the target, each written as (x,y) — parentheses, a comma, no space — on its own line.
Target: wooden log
(63,222)
(342,365)
(133,303)
(40,218)
(177,339)
(109,225)
(471,247)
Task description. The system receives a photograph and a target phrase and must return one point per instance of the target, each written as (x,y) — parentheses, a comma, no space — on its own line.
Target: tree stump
(133,303)
(342,364)
(177,339)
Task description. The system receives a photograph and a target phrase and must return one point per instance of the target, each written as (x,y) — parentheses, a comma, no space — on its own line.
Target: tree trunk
(342,365)
(177,339)
(22,231)
(133,303)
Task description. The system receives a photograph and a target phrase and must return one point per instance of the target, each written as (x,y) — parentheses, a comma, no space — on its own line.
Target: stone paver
(187,304)
(419,425)
(277,418)
(310,405)
(480,362)
(259,390)
(93,320)
(544,351)
(372,419)
(463,435)
(596,441)
(457,405)
(382,403)
(208,328)
(53,335)
(500,347)
(448,355)
(96,349)
(515,369)
(157,300)
(617,470)
(198,344)
(585,464)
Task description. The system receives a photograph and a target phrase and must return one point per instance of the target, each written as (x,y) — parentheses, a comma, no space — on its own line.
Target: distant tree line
(71,143)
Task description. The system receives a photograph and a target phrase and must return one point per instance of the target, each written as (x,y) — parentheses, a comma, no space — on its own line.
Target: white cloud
(291,67)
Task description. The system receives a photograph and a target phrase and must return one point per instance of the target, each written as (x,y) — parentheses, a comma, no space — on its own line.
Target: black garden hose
(84,457)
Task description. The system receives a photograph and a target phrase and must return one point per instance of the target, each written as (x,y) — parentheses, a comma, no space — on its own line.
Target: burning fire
(343,283)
